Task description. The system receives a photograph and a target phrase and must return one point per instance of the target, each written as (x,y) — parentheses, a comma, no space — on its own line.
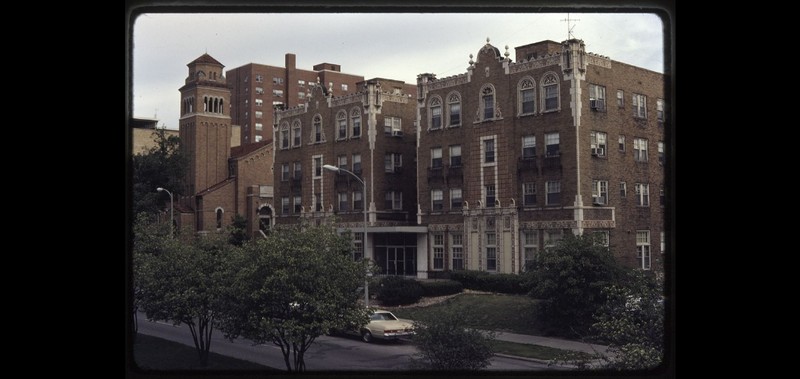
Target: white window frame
(358,196)
(620,98)
(436,153)
(526,84)
(487,91)
(640,150)
(342,199)
(484,150)
(316,126)
(457,251)
(529,142)
(639,103)
(621,141)
(341,161)
(550,80)
(454,99)
(259,102)
(277,92)
(599,143)
(285,210)
(297,204)
(603,235)
(396,198)
(315,168)
(297,133)
(259,114)
(600,192)
(357,161)
(530,246)
(259,126)
(284,136)
(452,150)
(341,125)
(552,139)
(528,188)
(435,104)
(437,195)
(491,251)
(490,188)
(284,172)
(642,191)
(392,161)
(552,236)
(355,119)
(623,189)
(643,253)
(597,97)
(660,110)
(553,187)
(437,248)
(460,197)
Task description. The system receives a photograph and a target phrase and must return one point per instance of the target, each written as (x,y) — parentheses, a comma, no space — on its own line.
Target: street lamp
(171,208)
(364,207)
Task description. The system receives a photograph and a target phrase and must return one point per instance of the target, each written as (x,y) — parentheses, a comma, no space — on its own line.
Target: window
(530,247)
(259,126)
(640,150)
(259,91)
(355,118)
(317,128)
(341,122)
(284,172)
(455,156)
(296,134)
(661,152)
(436,157)
(343,202)
(394,200)
(639,105)
(553,193)
(457,251)
(551,142)
(601,237)
(600,192)
(488,150)
(341,161)
(298,171)
(276,80)
(661,198)
(643,248)
(491,252)
(620,99)
(318,202)
(490,196)
(344,87)
(435,112)
(392,126)
(551,237)
(259,138)
(301,83)
(550,90)
(259,102)
(219,218)
(277,92)
(621,143)
(456,199)
(298,204)
(317,167)
(663,243)
(455,109)
(393,162)
(438,251)
(598,142)
(660,110)
(623,189)
(528,147)
(642,194)
(357,163)
(358,202)
(487,102)
(301,95)
(527,104)
(437,200)
(285,205)
(284,138)
(358,246)
(259,78)
(259,114)
(597,97)
(529,193)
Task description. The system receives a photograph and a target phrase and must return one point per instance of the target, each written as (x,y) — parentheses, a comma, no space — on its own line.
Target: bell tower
(205,124)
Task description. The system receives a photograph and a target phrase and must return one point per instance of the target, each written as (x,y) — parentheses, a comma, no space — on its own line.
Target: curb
(542,361)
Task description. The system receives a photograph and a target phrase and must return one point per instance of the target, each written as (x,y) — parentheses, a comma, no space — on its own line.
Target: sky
(388,45)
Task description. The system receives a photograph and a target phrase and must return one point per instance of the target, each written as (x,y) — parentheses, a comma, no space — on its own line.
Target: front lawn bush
(396,290)
(441,288)
(485,281)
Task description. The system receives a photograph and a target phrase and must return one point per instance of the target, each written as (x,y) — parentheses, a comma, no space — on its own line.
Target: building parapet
(598,60)
(547,60)
(449,81)
(347,99)
(394,97)
(300,109)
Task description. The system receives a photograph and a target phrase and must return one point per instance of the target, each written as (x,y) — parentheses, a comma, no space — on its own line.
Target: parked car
(386,326)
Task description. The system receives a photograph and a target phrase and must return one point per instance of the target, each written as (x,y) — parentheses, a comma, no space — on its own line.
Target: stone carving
(549,60)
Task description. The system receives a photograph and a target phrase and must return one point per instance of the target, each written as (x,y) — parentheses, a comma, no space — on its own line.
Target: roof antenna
(569,28)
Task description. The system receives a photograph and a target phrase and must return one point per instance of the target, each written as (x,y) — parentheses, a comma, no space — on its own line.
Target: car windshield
(382,316)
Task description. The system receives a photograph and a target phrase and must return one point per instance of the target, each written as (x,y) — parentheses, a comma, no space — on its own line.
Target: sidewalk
(552,342)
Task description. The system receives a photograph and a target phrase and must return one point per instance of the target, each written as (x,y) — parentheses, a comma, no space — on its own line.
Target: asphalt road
(328,353)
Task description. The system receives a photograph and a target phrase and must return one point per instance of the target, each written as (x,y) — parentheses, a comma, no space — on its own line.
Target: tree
(445,344)
(185,283)
(292,287)
(163,165)
(238,230)
(632,322)
(569,279)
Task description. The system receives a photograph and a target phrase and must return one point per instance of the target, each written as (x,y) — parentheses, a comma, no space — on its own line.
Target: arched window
(487,102)
(341,125)
(435,113)
(317,125)
(454,109)
(550,92)
(296,133)
(201,75)
(205,103)
(526,91)
(265,219)
(220,212)
(284,131)
(221,108)
(355,120)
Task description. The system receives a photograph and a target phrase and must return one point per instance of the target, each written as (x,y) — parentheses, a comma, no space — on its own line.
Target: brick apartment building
(257,88)
(372,133)
(223,179)
(513,155)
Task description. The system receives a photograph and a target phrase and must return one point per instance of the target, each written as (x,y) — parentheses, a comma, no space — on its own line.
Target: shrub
(396,290)
(441,288)
(443,343)
(485,281)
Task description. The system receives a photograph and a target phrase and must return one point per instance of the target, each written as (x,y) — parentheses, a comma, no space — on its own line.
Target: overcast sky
(396,46)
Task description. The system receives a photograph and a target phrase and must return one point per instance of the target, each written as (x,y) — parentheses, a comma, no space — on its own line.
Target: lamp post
(364,207)
(171,209)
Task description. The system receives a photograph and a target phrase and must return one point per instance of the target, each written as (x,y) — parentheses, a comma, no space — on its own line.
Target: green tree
(163,165)
(185,283)
(238,230)
(632,322)
(445,344)
(569,279)
(292,287)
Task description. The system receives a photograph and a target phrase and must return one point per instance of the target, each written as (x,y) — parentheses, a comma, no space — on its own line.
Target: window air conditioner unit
(593,104)
(598,151)
(598,200)
(397,133)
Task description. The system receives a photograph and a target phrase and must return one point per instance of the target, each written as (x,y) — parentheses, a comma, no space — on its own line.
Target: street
(328,353)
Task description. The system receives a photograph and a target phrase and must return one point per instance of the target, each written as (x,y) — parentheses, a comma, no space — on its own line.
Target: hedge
(441,288)
(489,282)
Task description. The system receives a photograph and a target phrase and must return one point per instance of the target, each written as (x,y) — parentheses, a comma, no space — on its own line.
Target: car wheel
(366,336)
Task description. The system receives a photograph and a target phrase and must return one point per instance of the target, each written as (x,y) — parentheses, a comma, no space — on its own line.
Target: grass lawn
(152,353)
(500,312)
(534,351)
